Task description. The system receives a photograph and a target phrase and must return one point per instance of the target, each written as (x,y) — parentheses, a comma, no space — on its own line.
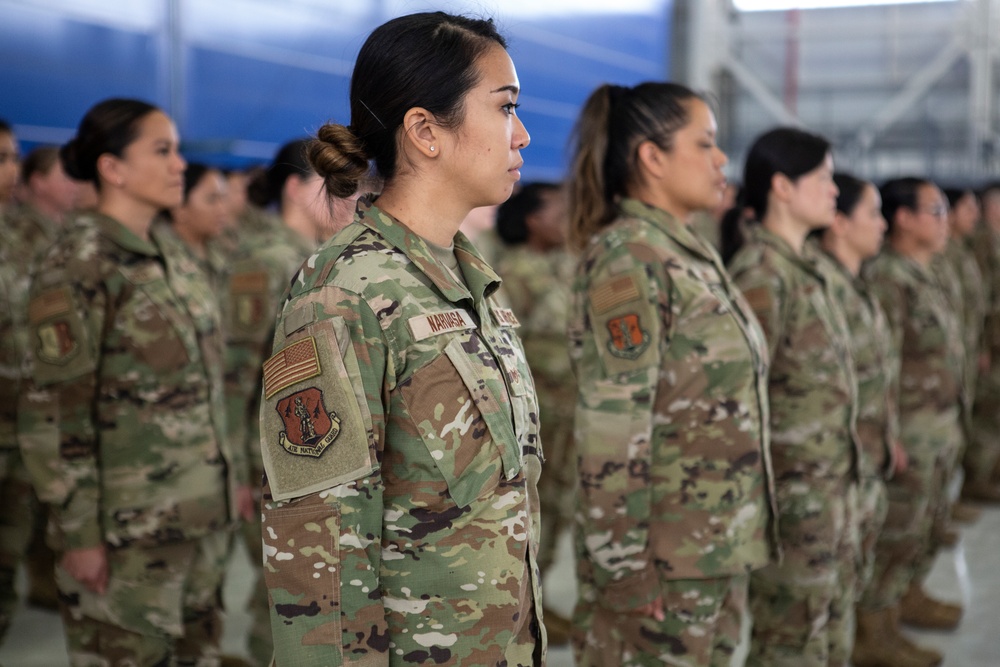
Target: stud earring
(432,148)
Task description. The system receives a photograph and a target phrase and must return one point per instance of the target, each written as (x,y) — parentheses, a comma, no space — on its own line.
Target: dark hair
(421,60)
(194,174)
(851,190)
(291,160)
(900,193)
(108,127)
(40,160)
(512,215)
(5,127)
(783,150)
(956,195)
(614,121)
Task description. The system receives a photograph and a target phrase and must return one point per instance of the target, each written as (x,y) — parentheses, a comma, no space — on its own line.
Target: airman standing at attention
(537,272)
(803,606)
(399,426)
(927,335)
(126,439)
(675,501)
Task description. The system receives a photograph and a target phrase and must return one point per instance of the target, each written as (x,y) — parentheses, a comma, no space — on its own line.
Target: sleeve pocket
(302,570)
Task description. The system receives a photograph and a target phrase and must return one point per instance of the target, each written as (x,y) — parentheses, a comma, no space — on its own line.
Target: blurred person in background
(10,159)
(927,335)
(124,434)
(803,605)
(537,270)
(675,501)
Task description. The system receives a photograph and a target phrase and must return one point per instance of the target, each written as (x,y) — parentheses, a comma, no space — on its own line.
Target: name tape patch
(425,326)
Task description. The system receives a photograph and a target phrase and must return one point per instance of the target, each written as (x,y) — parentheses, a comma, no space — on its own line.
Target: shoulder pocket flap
(314,422)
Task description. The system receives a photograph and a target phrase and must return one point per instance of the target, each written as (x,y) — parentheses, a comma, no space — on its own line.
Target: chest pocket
(453,401)
(153,325)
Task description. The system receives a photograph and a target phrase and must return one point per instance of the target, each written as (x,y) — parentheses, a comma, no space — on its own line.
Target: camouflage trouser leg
(701,628)
(259,641)
(939,514)
(558,478)
(983,449)
(904,546)
(873,504)
(803,609)
(18,510)
(162,607)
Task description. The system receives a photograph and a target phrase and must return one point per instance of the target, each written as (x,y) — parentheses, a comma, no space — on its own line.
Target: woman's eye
(509,108)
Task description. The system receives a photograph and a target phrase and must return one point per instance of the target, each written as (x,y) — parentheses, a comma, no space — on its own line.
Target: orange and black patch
(628,340)
(309,428)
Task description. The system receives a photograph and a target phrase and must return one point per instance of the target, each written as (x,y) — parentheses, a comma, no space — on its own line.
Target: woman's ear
(110,169)
(650,160)
(781,186)
(421,132)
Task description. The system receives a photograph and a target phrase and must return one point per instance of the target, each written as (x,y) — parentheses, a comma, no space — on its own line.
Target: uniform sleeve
(765,291)
(65,323)
(891,299)
(619,319)
(321,417)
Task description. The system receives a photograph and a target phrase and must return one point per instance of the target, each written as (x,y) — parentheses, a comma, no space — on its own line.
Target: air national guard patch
(309,427)
(50,312)
(628,340)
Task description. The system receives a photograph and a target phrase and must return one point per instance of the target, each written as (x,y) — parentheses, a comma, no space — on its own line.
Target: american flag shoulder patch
(297,362)
(613,292)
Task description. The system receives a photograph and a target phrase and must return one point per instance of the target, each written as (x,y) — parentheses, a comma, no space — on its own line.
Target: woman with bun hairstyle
(802,606)
(674,505)
(399,426)
(128,444)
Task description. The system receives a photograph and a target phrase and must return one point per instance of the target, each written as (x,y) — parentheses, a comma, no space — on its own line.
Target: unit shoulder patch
(628,339)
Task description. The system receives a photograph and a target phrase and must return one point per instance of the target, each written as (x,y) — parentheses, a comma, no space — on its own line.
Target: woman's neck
(298,221)
(843,254)
(784,226)
(134,215)
(428,214)
(196,243)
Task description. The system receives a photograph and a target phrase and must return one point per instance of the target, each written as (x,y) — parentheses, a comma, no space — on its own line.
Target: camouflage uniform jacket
(972,296)
(127,351)
(257,274)
(876,365)
(672,413)
(986,247)
(812,385)
(413,539)
(24,233)
(925,330)
(538,286)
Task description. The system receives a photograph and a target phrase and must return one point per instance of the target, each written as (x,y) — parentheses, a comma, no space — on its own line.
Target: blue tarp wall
(241,77)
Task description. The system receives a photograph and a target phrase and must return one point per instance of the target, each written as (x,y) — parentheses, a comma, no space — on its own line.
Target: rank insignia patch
(55,342)
(309,427)
(628,340)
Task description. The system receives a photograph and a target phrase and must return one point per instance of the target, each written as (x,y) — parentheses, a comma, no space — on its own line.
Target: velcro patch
(425,326)
(613,292)
(628,339)
(49,304)
(297,362)
(309,427)
(505,317)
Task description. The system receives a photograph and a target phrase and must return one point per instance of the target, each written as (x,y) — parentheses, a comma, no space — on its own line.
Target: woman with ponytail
(803,606)
(673,510)
(399,425)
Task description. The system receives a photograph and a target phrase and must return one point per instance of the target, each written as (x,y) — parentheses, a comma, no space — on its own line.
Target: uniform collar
(122,235)
(670,225)
(806,260)
(480,280)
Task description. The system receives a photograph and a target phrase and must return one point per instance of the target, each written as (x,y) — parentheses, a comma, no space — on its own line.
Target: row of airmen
(856,374)
(230,245)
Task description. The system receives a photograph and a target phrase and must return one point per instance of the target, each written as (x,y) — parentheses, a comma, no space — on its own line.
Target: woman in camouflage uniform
(129,439)
(674,504)
(803,606)
(399,426)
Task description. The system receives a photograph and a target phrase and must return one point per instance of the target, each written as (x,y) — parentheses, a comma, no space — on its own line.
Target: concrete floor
(969,573)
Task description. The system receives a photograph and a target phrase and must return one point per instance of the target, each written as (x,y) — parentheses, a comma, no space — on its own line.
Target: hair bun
(75,167)
(340,158)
